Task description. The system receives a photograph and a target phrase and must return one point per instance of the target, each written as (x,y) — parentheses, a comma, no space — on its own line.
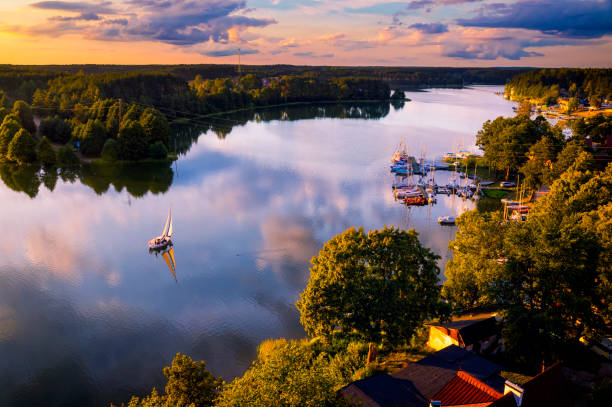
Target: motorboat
(164,240)
(446,220)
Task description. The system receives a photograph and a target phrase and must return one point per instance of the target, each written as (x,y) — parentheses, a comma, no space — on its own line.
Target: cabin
(450,377)
(477,333)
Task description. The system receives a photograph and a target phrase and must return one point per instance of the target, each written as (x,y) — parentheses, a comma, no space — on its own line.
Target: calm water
(88,316)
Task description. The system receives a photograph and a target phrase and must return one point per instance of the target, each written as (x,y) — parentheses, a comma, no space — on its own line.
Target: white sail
(165,231)
(170,228)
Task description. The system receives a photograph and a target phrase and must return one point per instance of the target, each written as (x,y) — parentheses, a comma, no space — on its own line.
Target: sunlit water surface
(88,316)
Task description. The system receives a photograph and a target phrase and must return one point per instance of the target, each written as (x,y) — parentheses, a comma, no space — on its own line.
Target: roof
(506,401)
(546,389)
(416,384)
(465,389)
(472,330)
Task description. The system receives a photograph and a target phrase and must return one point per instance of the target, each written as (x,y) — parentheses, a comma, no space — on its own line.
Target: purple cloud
(563,18)
(81,17)
(177,22)
(228,52)
(417,4)
(102,7)
(430,28)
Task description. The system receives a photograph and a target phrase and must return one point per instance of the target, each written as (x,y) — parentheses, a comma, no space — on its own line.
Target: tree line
(546,85)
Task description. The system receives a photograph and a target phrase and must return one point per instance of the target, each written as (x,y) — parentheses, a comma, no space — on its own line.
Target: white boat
(446,220)
(163,240)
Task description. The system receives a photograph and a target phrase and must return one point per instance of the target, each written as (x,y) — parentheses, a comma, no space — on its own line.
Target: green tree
(190,383)
(46,154)
(538,168)
(155,126)
(380,286)
(24,112)
(152,400)
(250,82)
(67,158)
(478,259)
(109,151)
(507,140)
(22,148)
(132,114)
(56,129)
(7,131)
(92,137)
(288,374)
(573,151)
(132,142)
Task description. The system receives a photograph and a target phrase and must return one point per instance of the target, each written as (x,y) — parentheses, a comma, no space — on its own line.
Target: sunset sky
(311,32)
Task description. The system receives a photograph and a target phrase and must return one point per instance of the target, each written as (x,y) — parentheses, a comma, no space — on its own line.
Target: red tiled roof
(464,389)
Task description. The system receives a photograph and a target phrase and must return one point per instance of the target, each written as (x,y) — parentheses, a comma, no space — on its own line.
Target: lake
(89,316)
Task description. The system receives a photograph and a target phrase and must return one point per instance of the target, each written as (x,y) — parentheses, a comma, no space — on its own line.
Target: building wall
(439,339)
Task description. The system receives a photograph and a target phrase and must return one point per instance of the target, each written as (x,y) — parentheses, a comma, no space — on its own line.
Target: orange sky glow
(309,32)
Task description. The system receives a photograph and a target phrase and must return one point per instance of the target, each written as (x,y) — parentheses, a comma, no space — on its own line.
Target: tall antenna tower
(239,67)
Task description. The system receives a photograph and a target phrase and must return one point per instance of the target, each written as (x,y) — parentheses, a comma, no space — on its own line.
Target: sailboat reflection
(168,255)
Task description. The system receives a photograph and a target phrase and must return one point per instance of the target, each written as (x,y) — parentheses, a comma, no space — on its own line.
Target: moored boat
(446,220)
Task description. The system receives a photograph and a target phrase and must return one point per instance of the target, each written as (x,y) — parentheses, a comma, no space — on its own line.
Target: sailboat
(163,241)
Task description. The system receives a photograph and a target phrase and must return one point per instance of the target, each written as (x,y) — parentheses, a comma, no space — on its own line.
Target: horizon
(419,33)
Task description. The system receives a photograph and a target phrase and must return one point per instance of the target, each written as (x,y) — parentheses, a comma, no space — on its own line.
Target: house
(456,377)
(549,388)
(478,333)
(450,377)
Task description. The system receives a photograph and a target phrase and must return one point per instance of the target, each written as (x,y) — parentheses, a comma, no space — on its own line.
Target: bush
(132,142)
(46,154)
(56,129)
(67,158)
(22,148)
(109,151)
(158,150)
(24,112)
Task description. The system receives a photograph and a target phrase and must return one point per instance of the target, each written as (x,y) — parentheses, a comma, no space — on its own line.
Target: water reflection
(168,255)
(137,178)
(79,294)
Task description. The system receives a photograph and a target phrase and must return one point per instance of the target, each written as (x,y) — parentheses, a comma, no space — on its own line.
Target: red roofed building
(464,390)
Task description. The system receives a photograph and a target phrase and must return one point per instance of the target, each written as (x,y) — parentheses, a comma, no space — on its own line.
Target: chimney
(516,391)
(435,404)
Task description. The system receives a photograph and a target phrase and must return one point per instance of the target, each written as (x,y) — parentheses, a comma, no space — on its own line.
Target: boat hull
(159,244)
